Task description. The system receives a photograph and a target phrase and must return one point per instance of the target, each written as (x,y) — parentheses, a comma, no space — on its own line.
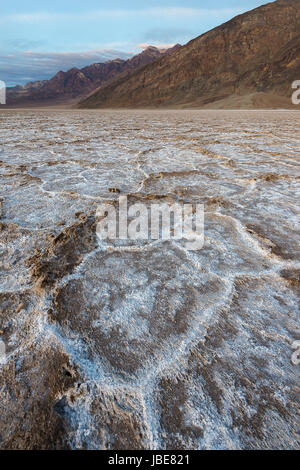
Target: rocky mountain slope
(255,55)
(76,83)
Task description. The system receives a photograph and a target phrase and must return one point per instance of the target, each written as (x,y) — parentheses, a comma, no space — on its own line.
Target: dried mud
(149,346)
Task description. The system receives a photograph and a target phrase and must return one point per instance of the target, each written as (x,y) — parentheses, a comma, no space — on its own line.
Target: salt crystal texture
(149,345)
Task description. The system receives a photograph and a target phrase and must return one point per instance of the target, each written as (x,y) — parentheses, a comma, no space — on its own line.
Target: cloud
(23,44)
(70,57)
(20,68)
(169,12)
(144,45)
(168,35)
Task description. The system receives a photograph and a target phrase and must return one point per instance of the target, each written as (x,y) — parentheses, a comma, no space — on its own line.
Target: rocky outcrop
(256,54)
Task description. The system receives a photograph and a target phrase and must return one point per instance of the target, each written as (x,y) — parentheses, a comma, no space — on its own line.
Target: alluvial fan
(149,345)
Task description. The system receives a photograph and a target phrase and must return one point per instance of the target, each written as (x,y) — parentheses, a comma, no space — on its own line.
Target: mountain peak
(149,48)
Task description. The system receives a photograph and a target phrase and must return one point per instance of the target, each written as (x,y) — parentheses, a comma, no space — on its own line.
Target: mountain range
(250,61)
(76,83)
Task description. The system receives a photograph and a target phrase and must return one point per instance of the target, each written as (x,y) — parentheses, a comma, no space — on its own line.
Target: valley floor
(149,346)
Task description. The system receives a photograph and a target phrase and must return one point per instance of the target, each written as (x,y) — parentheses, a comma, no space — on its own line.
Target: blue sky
(39,38)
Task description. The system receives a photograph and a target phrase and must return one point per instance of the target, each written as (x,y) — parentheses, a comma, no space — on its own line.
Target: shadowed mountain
(250,61)
(76,83)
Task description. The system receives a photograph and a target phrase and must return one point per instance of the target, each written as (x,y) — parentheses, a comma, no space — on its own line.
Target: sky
(39,38)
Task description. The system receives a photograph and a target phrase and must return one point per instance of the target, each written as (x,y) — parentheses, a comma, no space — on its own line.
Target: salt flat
(150,345)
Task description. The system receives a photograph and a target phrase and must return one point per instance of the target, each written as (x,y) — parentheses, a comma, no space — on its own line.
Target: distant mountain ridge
(255,57)
(76,83)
